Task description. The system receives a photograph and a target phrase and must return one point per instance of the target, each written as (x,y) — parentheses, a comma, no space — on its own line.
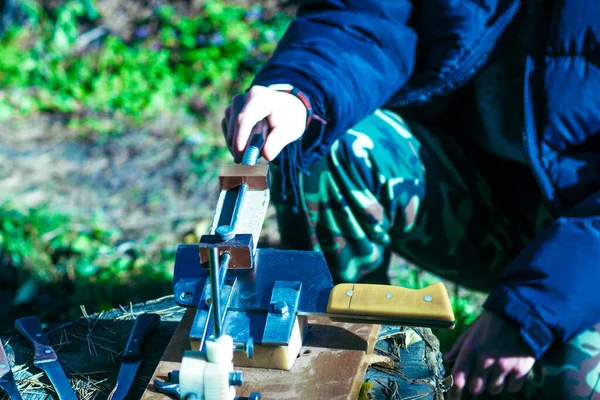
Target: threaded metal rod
(250,155)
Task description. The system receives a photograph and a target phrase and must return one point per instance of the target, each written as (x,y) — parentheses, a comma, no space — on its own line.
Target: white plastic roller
(220,350)
(205,375)
(191,375)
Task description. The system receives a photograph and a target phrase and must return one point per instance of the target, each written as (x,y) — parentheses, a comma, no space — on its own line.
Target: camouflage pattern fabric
(390,185)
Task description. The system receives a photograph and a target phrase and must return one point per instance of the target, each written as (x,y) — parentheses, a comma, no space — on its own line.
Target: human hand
(489,355)
(284,113)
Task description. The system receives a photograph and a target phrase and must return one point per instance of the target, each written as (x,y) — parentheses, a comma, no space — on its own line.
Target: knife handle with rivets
(144,324)
(31,328)
(429,306)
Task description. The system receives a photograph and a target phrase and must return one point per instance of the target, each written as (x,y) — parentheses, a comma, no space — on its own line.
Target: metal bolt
(349,293)
(48,351)
(280,307)
(186,296)
(247,347)
(38,335)
(388,296)
(427,298)
(236,378)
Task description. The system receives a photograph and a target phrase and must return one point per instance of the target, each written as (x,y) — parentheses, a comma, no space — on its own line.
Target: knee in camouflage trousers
(394,186)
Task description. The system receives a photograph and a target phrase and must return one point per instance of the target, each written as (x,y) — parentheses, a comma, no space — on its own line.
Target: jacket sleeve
(348,57)
(550,291)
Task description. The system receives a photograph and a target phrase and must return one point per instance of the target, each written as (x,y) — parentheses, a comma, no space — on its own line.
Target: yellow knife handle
(429,306)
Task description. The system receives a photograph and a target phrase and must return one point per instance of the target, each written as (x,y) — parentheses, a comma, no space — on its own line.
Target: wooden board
(331,365)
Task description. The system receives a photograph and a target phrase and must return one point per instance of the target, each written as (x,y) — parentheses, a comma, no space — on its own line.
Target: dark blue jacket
(353,56)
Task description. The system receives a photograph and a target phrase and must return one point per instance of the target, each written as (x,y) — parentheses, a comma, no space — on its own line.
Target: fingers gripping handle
(257,141)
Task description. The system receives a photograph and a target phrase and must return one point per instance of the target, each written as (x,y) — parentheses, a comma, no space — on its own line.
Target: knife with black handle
(132,357)
(45,358)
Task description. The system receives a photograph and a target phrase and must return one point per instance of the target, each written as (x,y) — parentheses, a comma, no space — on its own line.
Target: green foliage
(48,248)
(175,67)
(173,62)
(54,245)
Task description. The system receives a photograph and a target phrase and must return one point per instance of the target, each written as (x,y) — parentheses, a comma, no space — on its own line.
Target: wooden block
(241,249)
(276,357)
(256,176)
(331,364)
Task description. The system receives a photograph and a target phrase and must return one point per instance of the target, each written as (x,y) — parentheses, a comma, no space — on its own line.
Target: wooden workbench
(331,365)
(90,350)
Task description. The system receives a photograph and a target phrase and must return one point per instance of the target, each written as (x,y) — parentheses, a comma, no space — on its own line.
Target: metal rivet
(136,340)
(427,298)
(3,365)
(389,295)
(38,335)
(48,351)
(350,293)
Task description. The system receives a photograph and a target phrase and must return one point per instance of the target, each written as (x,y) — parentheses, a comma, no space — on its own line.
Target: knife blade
(7,380)
(132,357)
(45,358)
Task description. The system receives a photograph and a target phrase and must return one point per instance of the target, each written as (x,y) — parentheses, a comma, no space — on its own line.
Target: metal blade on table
(7,379)
(59,380)
(7,382)
(124,380)
(132,358)
(45,358)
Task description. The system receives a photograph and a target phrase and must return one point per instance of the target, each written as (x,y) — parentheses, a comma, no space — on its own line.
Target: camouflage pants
(390,185)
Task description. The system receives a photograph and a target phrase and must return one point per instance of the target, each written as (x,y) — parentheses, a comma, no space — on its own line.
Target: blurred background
(110,145)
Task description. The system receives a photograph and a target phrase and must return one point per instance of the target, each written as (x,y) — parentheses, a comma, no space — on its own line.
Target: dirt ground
(138,181)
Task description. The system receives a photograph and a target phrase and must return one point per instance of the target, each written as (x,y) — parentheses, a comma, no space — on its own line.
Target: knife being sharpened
(7,380)
(132,357)
(45,357)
